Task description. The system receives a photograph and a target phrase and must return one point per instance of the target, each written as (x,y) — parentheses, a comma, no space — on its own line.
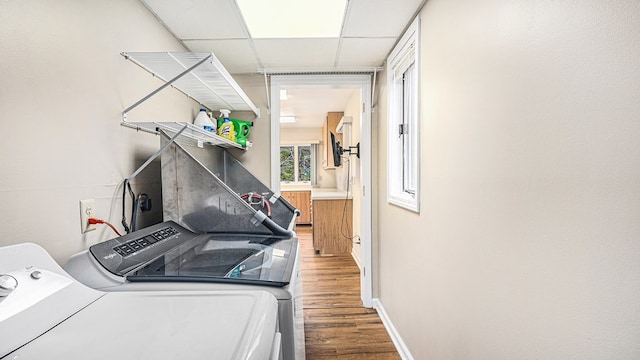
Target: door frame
(364,82)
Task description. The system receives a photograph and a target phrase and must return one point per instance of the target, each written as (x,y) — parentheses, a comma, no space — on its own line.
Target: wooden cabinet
(331,231)
(329,126)
(301,200)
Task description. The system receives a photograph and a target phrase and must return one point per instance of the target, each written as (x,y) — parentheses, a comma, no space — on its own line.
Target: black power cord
(344,209)
(127,186)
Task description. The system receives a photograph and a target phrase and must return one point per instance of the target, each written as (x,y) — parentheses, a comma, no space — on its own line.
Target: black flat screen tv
(336,150)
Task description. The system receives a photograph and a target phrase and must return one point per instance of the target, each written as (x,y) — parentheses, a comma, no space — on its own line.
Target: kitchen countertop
(289,187)
(328,194)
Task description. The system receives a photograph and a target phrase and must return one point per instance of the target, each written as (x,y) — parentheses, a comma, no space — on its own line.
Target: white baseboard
(356,258)
(403,351)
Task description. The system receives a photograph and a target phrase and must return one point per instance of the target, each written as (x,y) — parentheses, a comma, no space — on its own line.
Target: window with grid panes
(296,163)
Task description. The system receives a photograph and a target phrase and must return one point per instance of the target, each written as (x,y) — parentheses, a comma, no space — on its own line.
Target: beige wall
(527,243)
(63,87)
(256,158)
(296,135)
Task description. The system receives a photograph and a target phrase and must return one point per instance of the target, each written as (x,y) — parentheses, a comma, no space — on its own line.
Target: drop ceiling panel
(279,53)
(364,52)
(378,18)
(236,55)
(200,19)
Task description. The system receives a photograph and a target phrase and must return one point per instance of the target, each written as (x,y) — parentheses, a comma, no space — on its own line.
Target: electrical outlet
(86,211)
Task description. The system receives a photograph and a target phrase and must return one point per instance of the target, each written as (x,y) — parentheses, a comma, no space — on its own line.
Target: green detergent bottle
(243,128)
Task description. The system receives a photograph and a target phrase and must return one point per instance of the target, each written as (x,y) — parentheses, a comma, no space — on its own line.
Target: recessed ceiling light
(292,18)
(287,119)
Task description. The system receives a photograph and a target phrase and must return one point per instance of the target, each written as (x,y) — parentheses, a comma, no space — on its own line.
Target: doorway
(364,164)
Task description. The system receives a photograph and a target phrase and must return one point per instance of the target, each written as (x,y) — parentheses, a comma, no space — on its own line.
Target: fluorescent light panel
(292,18)
(287,119)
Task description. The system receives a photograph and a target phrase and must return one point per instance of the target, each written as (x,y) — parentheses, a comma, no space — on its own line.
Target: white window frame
(403,150)
(296,163)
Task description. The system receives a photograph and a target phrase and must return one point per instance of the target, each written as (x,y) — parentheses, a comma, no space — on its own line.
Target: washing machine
(46,314)
(170,257)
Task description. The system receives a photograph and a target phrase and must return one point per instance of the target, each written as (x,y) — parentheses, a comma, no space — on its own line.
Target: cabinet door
(290,196)
(304,199)
(331,234)
(301,200)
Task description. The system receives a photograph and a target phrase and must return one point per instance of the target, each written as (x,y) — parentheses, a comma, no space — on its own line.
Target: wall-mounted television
(336,150)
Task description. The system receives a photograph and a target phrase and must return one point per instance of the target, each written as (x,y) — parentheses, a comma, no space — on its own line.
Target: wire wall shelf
(200,76)
(191,132)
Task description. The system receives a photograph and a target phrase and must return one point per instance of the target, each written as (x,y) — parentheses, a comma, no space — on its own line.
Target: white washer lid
(163,325)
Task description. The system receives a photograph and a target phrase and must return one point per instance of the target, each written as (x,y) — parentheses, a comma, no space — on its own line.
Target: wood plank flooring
(336,324)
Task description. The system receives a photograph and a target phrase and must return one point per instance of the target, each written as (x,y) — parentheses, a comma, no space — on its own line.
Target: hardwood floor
(336,324)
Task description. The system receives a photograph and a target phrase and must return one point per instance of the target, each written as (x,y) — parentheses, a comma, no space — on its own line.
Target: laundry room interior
(334,179)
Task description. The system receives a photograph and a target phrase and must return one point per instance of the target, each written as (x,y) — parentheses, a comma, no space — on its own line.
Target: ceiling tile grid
(200,19)
(297,53)
(370,29)
(364,52)
(237,56)
(378,18)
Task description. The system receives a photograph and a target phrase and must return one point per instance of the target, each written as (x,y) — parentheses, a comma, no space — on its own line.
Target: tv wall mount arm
(351,150)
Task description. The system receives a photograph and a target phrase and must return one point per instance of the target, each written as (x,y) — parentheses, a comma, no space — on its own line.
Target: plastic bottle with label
(203,121)
(242,128)
(225,126)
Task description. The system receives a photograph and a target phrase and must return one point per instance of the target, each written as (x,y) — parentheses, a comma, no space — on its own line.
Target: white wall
(354,110)
(63,87)
(528,240)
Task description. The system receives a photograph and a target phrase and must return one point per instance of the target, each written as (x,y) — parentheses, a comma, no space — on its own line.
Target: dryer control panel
(126,253)
(132,246)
